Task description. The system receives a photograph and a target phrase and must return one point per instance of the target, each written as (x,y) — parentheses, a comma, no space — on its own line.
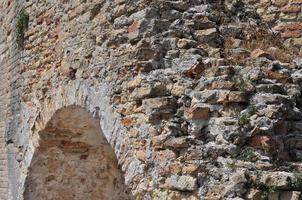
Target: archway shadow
(74,161)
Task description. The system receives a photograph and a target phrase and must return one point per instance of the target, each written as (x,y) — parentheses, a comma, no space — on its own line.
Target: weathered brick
(280,2)
(291,9)
(292,26)
(259,53)
(291,34)
(237,97)
(296,1)
(199,113)
(261,142)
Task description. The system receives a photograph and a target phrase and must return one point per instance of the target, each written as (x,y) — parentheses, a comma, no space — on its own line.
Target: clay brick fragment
(291,34)
(133,27)
(261,142)
(257,53)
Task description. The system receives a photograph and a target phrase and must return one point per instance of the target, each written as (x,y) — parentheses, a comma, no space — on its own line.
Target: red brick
(294,26)
(260,142)
(74,147)
(289,26)
(291,34)
(283,78)
(29,103)
(133,27)
(127,121)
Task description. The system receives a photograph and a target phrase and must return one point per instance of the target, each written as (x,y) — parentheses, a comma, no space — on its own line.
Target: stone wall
(284,17)
(198,99)
(10,82)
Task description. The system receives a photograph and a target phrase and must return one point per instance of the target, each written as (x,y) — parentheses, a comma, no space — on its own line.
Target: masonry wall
(199,99)
(10,90)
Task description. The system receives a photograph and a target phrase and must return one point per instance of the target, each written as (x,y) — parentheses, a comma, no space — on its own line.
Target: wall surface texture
(198,99)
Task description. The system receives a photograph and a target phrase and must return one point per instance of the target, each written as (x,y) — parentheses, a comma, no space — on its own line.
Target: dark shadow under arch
(74,161)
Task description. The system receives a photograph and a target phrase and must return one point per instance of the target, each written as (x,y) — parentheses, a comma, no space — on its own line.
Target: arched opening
(74,161)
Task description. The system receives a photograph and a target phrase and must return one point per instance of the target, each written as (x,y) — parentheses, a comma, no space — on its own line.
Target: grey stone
(122,21)
(236,184)
(297,76)
(182,183)
(298,63)
(159,106)
(271,98)
(209,36)
(277,88)
(230,30)
(279,180)
(176,5)
(290,195)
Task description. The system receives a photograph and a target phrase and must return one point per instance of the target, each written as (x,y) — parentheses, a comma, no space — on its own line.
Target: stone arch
(73,160)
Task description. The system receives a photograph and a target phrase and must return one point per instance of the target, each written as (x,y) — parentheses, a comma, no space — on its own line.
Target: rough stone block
(159,106)
(197,113)
(182,183)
